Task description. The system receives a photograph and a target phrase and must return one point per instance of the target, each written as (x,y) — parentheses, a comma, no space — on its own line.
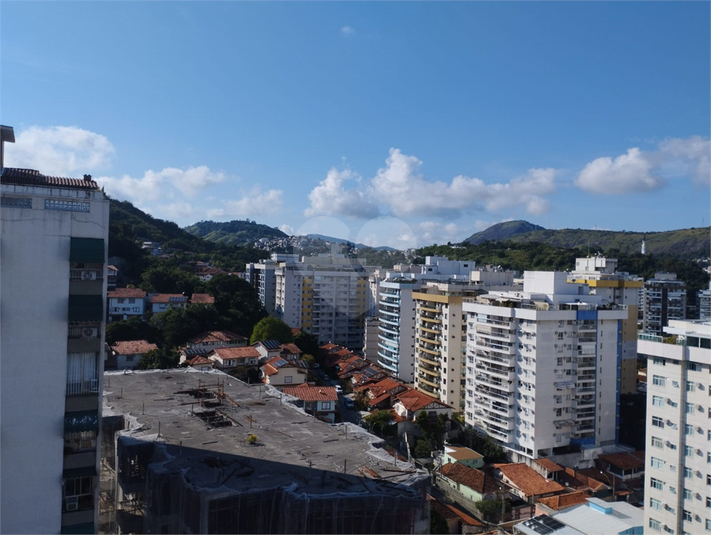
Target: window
(668,529)
(689,408)
(687,494)
(78,493)
(690,387)
(708,502)
(687,515)
(658,380)
(688,451)
(659,443)
(688,472)
(655,524)
(82,374)
(655,504)
(79,441)
(66,206)
(287,379)
(658,401)
(657,463)
(708,480)
(325,405)
(656,483)
(688,429)
(657,421)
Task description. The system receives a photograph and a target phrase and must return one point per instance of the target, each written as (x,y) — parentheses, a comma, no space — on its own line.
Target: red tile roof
(312,393)
(126,292)
(269,370)
(414,400)
(291,349)
(578,480)
(227,353)
(217,336)
(31,177)
(530,482)
(563,501)
(133,347)
(548,464)
(200,360)
(206,299)
(470,477)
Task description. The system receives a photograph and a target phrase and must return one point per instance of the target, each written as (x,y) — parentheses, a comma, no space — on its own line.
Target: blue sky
(386,123)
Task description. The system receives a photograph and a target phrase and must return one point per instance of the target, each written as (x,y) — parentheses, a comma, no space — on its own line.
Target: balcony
(434,352)
(502,373)
(484,345)
(432,310)
(428,361)
(502,423)
(492,357)
(493,395)
(489,321)
(423,379)
(388,349)
(387,364)
(429,330)
(388,320)
(432,390)
(434,318)
(387,338)
(385,328)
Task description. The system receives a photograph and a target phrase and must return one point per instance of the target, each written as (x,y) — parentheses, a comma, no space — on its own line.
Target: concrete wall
(34,278)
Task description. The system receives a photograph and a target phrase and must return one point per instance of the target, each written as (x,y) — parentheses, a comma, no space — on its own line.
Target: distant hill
(502,231)
(233,232)
(683,242)
(128,222)
(341,240)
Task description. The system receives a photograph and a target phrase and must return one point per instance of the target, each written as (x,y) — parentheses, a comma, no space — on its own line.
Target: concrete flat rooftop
(292,447)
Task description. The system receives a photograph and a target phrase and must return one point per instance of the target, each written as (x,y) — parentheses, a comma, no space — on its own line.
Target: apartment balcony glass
(435,310)
(427,328)
(423,357)
(389,320)
(487,345)
(432,390)
(494,321)
(501,423)
(493,382)
(395,313)
(507,374)
(390,330)
(434,351)
(432,383)
(82,374)
(493,394)
(488,356)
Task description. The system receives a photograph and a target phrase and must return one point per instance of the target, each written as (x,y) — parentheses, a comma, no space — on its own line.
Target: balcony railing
(83,388)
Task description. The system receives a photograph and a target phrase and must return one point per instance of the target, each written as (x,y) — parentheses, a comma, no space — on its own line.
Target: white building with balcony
(677,485)
(53,278)
(126,303)
(542,366)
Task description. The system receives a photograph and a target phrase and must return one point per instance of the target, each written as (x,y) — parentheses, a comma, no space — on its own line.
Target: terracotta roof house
(205,299)
(466,456)
(279,372)
(407,405)
(561,501)
(215,339)
(456,518)
(547,468)
(380,394)
(577,480)
(267,349)
(228,358)
(125,303)
(163,302)
(473,484)
(318,400)
(201,363)
(290,352)
(368,375)
(526,483)
(624,465)
(127,355)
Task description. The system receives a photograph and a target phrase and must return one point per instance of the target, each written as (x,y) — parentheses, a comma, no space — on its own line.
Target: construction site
(196,452)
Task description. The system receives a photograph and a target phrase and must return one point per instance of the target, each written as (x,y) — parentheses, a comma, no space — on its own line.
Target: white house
(227,358)
(321,400)
(126,355)
(125,303)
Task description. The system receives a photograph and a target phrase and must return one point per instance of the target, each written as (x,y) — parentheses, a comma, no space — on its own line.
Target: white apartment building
(664,300)
(262,277)
(704,302)
(677,485)
(396,351)
(325,295)
(542,366)
(53,278)
(603,279)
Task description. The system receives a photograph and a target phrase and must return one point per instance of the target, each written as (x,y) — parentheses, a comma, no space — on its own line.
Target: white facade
(51,368)
(678,460)
(704,298)
(542,366)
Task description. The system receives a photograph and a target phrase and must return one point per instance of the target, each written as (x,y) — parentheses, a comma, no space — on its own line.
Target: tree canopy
(271,328)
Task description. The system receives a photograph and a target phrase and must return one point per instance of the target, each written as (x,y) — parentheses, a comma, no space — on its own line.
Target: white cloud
(690,156)
(629,172)
(408,193)
(59,150)
(331,197)
(164,184)
(437,232)
(254,203)
(287,229)
(638,170)
(347,31)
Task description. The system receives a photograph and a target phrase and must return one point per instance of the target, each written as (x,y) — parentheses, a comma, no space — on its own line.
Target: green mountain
(692,242)
(502,231)
(233,232)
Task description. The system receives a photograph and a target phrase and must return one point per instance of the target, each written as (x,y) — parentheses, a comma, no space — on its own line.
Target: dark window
(87,250)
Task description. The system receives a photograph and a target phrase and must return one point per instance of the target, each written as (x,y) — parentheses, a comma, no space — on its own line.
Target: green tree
(162,358)
(491,509)
(307,342)
(178,325)
(131,329)
(433,428)
(423,448)
(378,420)
(163,278)
(308,359)
(237,303)
(271,328)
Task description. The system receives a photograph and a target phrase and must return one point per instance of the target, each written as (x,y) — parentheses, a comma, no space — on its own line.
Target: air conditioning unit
(71,503)
(90,332)
(88,275)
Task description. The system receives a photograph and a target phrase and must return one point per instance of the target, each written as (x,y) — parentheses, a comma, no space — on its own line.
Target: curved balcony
(425,387)
(387,365)
(428,330)
(387,349)
(395,303)
(389,313)
(389,321)
(428,361)
(428,319)
(430,351)
(429,309)
(389,330)
(387,338)
(428,382)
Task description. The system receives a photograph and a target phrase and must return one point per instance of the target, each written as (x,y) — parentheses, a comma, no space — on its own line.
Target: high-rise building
(53,278)
(397,308)
(664,300)
(678,461)
(542,366)
(262,277)
(440,340)
(603,279)
(704,303)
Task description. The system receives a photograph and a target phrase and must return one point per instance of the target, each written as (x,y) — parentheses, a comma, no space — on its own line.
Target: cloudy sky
(399,124)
